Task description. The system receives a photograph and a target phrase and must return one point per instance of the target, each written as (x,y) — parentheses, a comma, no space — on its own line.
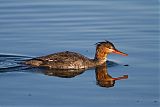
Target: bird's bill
(119,52)
(120,78)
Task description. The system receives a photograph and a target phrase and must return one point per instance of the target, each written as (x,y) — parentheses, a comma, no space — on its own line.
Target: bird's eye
(110,47)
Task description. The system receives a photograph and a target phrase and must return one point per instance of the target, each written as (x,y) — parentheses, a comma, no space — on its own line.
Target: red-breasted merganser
(72,60)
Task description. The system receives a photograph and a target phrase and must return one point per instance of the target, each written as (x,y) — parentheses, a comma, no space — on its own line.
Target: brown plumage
(73,60)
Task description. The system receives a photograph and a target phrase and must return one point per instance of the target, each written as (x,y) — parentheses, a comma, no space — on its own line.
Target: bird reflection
(62,73)
(104,79)
(9,63)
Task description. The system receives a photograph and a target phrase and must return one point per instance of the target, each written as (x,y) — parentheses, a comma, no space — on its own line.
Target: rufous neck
(100,56)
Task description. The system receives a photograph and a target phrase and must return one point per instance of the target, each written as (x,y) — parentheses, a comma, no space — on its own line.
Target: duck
(73,60)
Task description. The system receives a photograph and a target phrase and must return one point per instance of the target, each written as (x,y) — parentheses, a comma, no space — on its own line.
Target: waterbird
(73,60)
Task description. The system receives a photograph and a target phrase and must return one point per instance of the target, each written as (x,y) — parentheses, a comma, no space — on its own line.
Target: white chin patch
(104,60)
(111,50)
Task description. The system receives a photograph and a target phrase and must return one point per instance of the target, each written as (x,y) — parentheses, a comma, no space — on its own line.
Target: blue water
(30,28)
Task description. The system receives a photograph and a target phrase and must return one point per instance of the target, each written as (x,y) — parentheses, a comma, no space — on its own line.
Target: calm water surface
(40,27)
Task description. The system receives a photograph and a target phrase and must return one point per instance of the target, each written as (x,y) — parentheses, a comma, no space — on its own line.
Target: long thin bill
(119,52)
(120,78)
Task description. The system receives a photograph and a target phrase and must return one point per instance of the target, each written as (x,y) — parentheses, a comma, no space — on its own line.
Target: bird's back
(62,60)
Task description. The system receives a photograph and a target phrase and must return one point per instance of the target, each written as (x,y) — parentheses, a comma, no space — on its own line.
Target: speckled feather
(62,60)
(72,60)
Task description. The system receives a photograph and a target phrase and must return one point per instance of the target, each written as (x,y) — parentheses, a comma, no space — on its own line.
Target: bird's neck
(100,57)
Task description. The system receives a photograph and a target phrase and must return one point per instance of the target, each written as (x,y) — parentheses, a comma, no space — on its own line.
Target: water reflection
(62,73)
(11,63)
(104,79)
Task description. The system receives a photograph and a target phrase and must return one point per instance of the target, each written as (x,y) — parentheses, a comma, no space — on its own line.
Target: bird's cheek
(110,50)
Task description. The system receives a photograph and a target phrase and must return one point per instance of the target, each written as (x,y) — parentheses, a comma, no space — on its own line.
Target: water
(40,27)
